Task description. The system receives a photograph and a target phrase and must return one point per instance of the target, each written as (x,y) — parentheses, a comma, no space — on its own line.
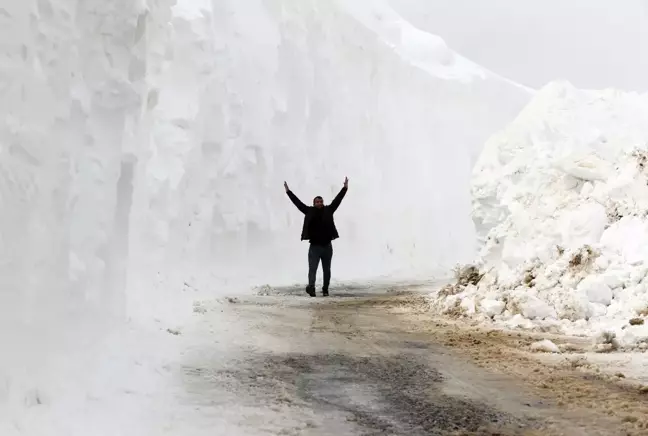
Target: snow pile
(545,346)
(561,208)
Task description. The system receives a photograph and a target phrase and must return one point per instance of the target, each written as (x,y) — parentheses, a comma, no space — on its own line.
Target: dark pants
(315,254)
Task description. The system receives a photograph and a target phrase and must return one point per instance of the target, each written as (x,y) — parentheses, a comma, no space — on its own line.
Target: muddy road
(377,363)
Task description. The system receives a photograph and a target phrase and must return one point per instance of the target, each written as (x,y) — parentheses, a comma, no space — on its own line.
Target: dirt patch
(572,383)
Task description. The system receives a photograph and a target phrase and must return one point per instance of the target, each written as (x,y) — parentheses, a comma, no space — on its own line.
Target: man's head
(318,202)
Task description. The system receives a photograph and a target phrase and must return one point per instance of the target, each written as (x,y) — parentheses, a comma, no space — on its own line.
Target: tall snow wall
(255,93)
(72,99)
(145,145)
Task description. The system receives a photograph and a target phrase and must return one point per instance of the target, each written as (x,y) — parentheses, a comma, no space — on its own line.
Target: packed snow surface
(560,203)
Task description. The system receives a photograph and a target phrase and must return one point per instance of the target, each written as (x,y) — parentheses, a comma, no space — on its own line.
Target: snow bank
(561,209)
(73,94)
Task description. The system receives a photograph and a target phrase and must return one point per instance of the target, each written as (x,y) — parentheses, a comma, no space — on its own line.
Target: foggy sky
(592,43)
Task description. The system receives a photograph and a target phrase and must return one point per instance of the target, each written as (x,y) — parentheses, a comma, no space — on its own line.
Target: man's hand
(346,182)
(286,186)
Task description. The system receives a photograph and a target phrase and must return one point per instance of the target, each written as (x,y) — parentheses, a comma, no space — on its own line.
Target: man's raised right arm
(296,201)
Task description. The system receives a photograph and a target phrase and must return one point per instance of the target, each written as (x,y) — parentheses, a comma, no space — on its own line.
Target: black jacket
(319,225)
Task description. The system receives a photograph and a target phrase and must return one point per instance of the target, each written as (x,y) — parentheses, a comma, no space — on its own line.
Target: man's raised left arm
(338,198)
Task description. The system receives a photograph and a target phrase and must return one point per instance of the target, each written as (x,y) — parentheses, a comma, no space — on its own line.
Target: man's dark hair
(319,197)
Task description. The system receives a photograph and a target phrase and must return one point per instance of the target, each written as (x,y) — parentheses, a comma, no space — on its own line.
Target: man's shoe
(325,293)
(310,290)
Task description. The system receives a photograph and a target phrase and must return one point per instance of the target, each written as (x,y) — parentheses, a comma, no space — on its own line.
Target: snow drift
(560,203)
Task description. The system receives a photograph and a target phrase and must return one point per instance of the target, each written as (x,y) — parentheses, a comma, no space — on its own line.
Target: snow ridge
(421,49)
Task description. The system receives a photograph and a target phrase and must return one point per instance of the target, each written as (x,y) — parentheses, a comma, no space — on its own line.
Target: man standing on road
(319,229)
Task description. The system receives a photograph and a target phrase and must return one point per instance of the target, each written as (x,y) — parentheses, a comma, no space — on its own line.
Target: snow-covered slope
(561,208)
